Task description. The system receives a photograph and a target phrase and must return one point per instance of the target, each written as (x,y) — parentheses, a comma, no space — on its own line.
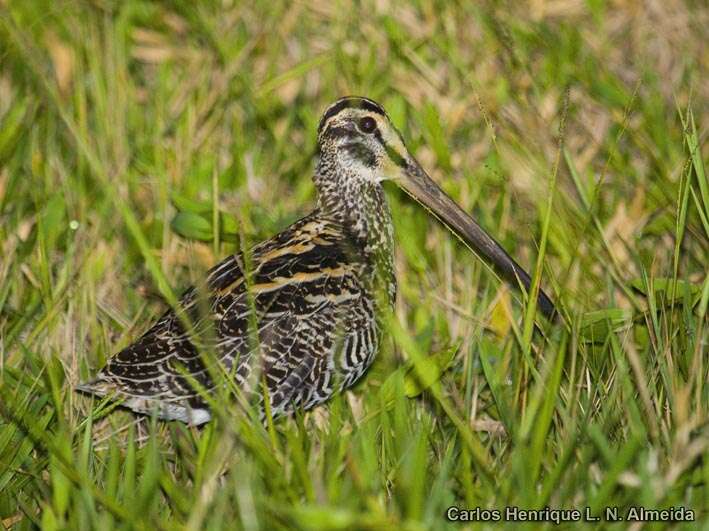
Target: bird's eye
(367,124)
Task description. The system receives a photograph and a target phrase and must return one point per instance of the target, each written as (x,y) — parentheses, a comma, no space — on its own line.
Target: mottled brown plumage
(303,310)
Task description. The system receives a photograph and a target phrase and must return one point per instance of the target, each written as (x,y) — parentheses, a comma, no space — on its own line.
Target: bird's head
(357,135)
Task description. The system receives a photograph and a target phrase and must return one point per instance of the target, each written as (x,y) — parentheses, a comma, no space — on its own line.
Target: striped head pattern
(357,134)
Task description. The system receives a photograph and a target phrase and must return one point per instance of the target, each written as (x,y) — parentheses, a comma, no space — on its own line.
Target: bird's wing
(293,298)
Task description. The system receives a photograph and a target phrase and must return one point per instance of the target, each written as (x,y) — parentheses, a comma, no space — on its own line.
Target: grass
(140,142)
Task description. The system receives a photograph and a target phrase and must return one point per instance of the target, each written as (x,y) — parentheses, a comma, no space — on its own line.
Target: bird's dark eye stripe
(394,155)
(391,152)
(340,132)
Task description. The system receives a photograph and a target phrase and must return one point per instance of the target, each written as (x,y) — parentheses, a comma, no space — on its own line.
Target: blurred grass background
(118,117)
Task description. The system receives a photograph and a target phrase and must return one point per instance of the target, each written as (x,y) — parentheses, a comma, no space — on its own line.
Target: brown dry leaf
(151,46)
(25,228)
(151,54)
(626,221)
(4,176)
(289,90)
(10,521)
(321,418)
(520,165)
(493,427)
(62,61)
(356,406)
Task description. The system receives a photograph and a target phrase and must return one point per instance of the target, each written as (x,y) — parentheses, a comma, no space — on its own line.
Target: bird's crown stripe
(350,102)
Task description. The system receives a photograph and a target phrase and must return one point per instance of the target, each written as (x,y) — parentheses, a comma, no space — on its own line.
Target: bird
(300,316)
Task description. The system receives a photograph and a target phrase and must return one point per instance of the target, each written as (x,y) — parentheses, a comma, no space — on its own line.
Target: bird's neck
(358,204)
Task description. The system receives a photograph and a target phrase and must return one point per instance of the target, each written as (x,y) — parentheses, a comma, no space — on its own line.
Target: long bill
(416,182)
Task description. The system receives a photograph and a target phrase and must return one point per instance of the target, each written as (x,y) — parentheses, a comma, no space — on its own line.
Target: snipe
(315,293)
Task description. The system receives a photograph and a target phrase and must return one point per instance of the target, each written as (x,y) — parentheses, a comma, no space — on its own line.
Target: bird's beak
(416,182)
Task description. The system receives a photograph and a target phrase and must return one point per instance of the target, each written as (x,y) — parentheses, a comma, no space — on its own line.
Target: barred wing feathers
(303,289)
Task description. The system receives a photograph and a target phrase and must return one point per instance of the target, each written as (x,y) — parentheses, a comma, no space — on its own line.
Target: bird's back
(299,312)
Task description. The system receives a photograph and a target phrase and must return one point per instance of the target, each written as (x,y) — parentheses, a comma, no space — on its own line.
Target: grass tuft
(140,142)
